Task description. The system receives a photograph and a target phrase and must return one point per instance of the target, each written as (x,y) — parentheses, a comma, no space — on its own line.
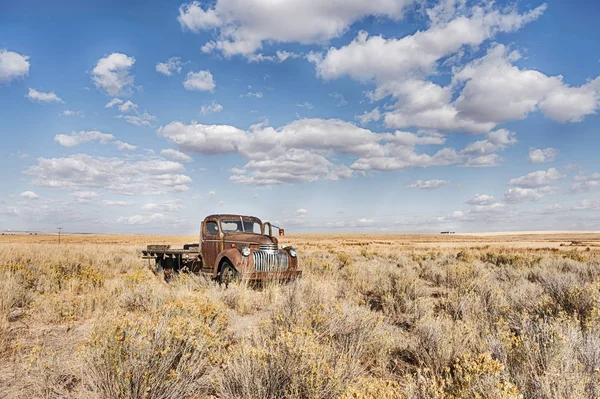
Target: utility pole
(59,229)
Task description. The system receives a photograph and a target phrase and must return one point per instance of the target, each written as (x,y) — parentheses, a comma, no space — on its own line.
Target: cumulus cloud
(172,65)
(199,81)
(305,21)
(369,116)
(213,107)
(252,94)
(482,94)
(118,175)
(40,96)
(81,137)
(537,179)
(428,184)
(29,195)
(128,106)
(481,199)
(165,206)
(520,194)
(155,218)
(113,102)
(338,99)
(318,140)
(140,119)
(586,182)
(117,203)
(68,112)
(541,155)
(112,74)
(175,155)
(12,66)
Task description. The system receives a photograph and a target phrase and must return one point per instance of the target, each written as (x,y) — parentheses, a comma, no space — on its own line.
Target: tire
(228,274)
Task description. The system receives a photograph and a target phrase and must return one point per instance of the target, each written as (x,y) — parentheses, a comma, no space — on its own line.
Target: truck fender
(233,255)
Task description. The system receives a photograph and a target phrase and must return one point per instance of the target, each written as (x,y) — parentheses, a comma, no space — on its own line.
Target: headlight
(293,253)
(246,251)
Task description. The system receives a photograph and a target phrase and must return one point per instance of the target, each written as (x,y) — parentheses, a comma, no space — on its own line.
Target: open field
(375,316)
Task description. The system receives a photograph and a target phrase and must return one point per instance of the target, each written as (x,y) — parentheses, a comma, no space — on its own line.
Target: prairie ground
(374,316)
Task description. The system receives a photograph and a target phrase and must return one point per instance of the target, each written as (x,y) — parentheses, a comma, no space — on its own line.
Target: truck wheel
(228,274)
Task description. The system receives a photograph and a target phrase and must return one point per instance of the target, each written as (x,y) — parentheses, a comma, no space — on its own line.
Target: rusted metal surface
(243,242)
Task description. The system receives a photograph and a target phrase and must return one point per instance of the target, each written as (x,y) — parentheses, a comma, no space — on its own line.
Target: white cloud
(338,99)
(40,96)
(29,195)
(111,74)
(497,91)
(12,65)
(172,65)
(416,55)
(520,194)
(85,195)
(541,155)
(203,139)
(122,146)
(10,211)
(199,81)
(119,175)
(141,119)
(306,105)
(301,212)
(484,161)
(155,218)
(113,102)
(295,166)
(252,94)
(77,138)
(428,184)
(117,203)
(165,206)
(370,116)
(212,193)
(243,26)
(212,108)
(175,155)
(497,140)
(586,183)
(494,207)
(493,90)
(320,139)
(481,199)
(537,179)
(68,112)
(366,222)
(127,106)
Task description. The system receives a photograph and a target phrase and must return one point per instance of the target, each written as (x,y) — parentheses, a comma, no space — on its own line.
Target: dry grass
(373,317)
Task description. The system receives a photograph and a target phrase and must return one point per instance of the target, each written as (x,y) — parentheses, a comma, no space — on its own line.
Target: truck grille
(268,247)
(270,261)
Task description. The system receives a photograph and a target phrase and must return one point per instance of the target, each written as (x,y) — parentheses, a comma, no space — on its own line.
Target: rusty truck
(229,247)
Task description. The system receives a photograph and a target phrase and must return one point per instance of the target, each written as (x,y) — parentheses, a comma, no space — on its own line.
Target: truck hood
(250,238)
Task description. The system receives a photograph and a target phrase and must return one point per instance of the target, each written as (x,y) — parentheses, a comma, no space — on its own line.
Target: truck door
(211,244)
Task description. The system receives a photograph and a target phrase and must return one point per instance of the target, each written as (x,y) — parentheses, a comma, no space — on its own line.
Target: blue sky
(380,116)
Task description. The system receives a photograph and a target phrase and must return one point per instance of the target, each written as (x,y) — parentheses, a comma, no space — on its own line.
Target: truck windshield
(235,226)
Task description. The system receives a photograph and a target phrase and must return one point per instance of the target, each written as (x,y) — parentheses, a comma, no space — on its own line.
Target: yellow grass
(375,316)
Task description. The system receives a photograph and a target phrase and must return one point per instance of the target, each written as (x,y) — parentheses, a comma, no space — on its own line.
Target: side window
(212,228)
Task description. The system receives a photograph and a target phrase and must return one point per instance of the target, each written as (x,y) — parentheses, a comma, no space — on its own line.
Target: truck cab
(230,246)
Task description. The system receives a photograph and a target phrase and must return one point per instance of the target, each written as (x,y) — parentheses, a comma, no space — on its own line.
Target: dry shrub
(168,353)
(468,377)
(373,388)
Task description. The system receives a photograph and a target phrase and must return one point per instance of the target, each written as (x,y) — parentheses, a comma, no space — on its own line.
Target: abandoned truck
(230,247)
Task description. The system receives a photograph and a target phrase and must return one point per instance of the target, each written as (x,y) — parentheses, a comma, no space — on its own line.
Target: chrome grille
(268,247)
(270,261)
